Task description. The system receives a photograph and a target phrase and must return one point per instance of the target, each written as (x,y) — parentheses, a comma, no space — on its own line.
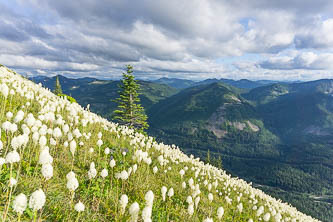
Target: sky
(195,39)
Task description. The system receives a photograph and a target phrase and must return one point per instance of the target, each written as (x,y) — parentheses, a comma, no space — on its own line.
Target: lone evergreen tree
(129,111)
(57,88)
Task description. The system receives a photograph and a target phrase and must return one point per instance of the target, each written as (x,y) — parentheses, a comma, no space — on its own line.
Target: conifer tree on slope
(57,88)
(129,111)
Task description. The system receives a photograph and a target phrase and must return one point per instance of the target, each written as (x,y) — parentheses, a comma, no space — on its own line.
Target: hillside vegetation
(60,162)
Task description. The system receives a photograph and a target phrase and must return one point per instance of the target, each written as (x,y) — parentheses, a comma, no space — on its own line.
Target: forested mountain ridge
(101,93)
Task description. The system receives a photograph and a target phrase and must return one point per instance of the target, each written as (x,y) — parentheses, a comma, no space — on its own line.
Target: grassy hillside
(60,162)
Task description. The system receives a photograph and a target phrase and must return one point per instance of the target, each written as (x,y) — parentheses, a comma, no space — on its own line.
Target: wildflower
(220,212)
(123,175)
(37,200)
(278,217)
(65,128)
(6,126)
(123,203)
(12,182)
(210,197)
(2,161)
(79,207)
(228,200)
(149,197)
(112,163)
(196,201)
(72,147)
(134,211)
(91,150)
(47,171)
(181,172)
(155,169)
(190,182)
(42,141)
(146,213)
(184,185)
(13,128)
(53,142)
(208,220)
(129,171)
(20,203)
(189,200)
(4,90)
(240,207)
(13,157)
(9,115)
(57,132)
(92,171)
(190,209)
(107,151)
(148,161)
(163,191)
(260,211)
(104,173)
(72,182)
(45,157)
(171,192)
(99,143)
(70,136)
(266,217)
(135,167)
(19,116)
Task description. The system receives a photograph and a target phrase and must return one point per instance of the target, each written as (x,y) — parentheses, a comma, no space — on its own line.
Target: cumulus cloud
(165,38)
(317,35)
(300,60)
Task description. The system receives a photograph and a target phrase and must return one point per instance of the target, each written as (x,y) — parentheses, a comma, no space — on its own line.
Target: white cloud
(319,34)
(171,37)
(300,60)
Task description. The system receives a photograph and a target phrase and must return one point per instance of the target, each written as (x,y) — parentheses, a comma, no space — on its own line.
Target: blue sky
(257,39)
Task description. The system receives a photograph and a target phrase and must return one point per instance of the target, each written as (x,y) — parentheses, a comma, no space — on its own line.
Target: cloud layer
(188,39)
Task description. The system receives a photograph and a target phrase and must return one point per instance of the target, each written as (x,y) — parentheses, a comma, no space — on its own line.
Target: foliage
(69,98)
(129,111)
(57,88)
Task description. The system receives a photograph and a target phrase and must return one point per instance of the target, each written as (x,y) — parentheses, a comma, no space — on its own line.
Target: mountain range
(276,134)
(185,83)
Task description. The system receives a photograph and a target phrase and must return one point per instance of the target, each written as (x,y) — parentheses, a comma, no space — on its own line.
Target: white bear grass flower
(37,200)
(20,203)
(134,211)
(79,207)
(123,203)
